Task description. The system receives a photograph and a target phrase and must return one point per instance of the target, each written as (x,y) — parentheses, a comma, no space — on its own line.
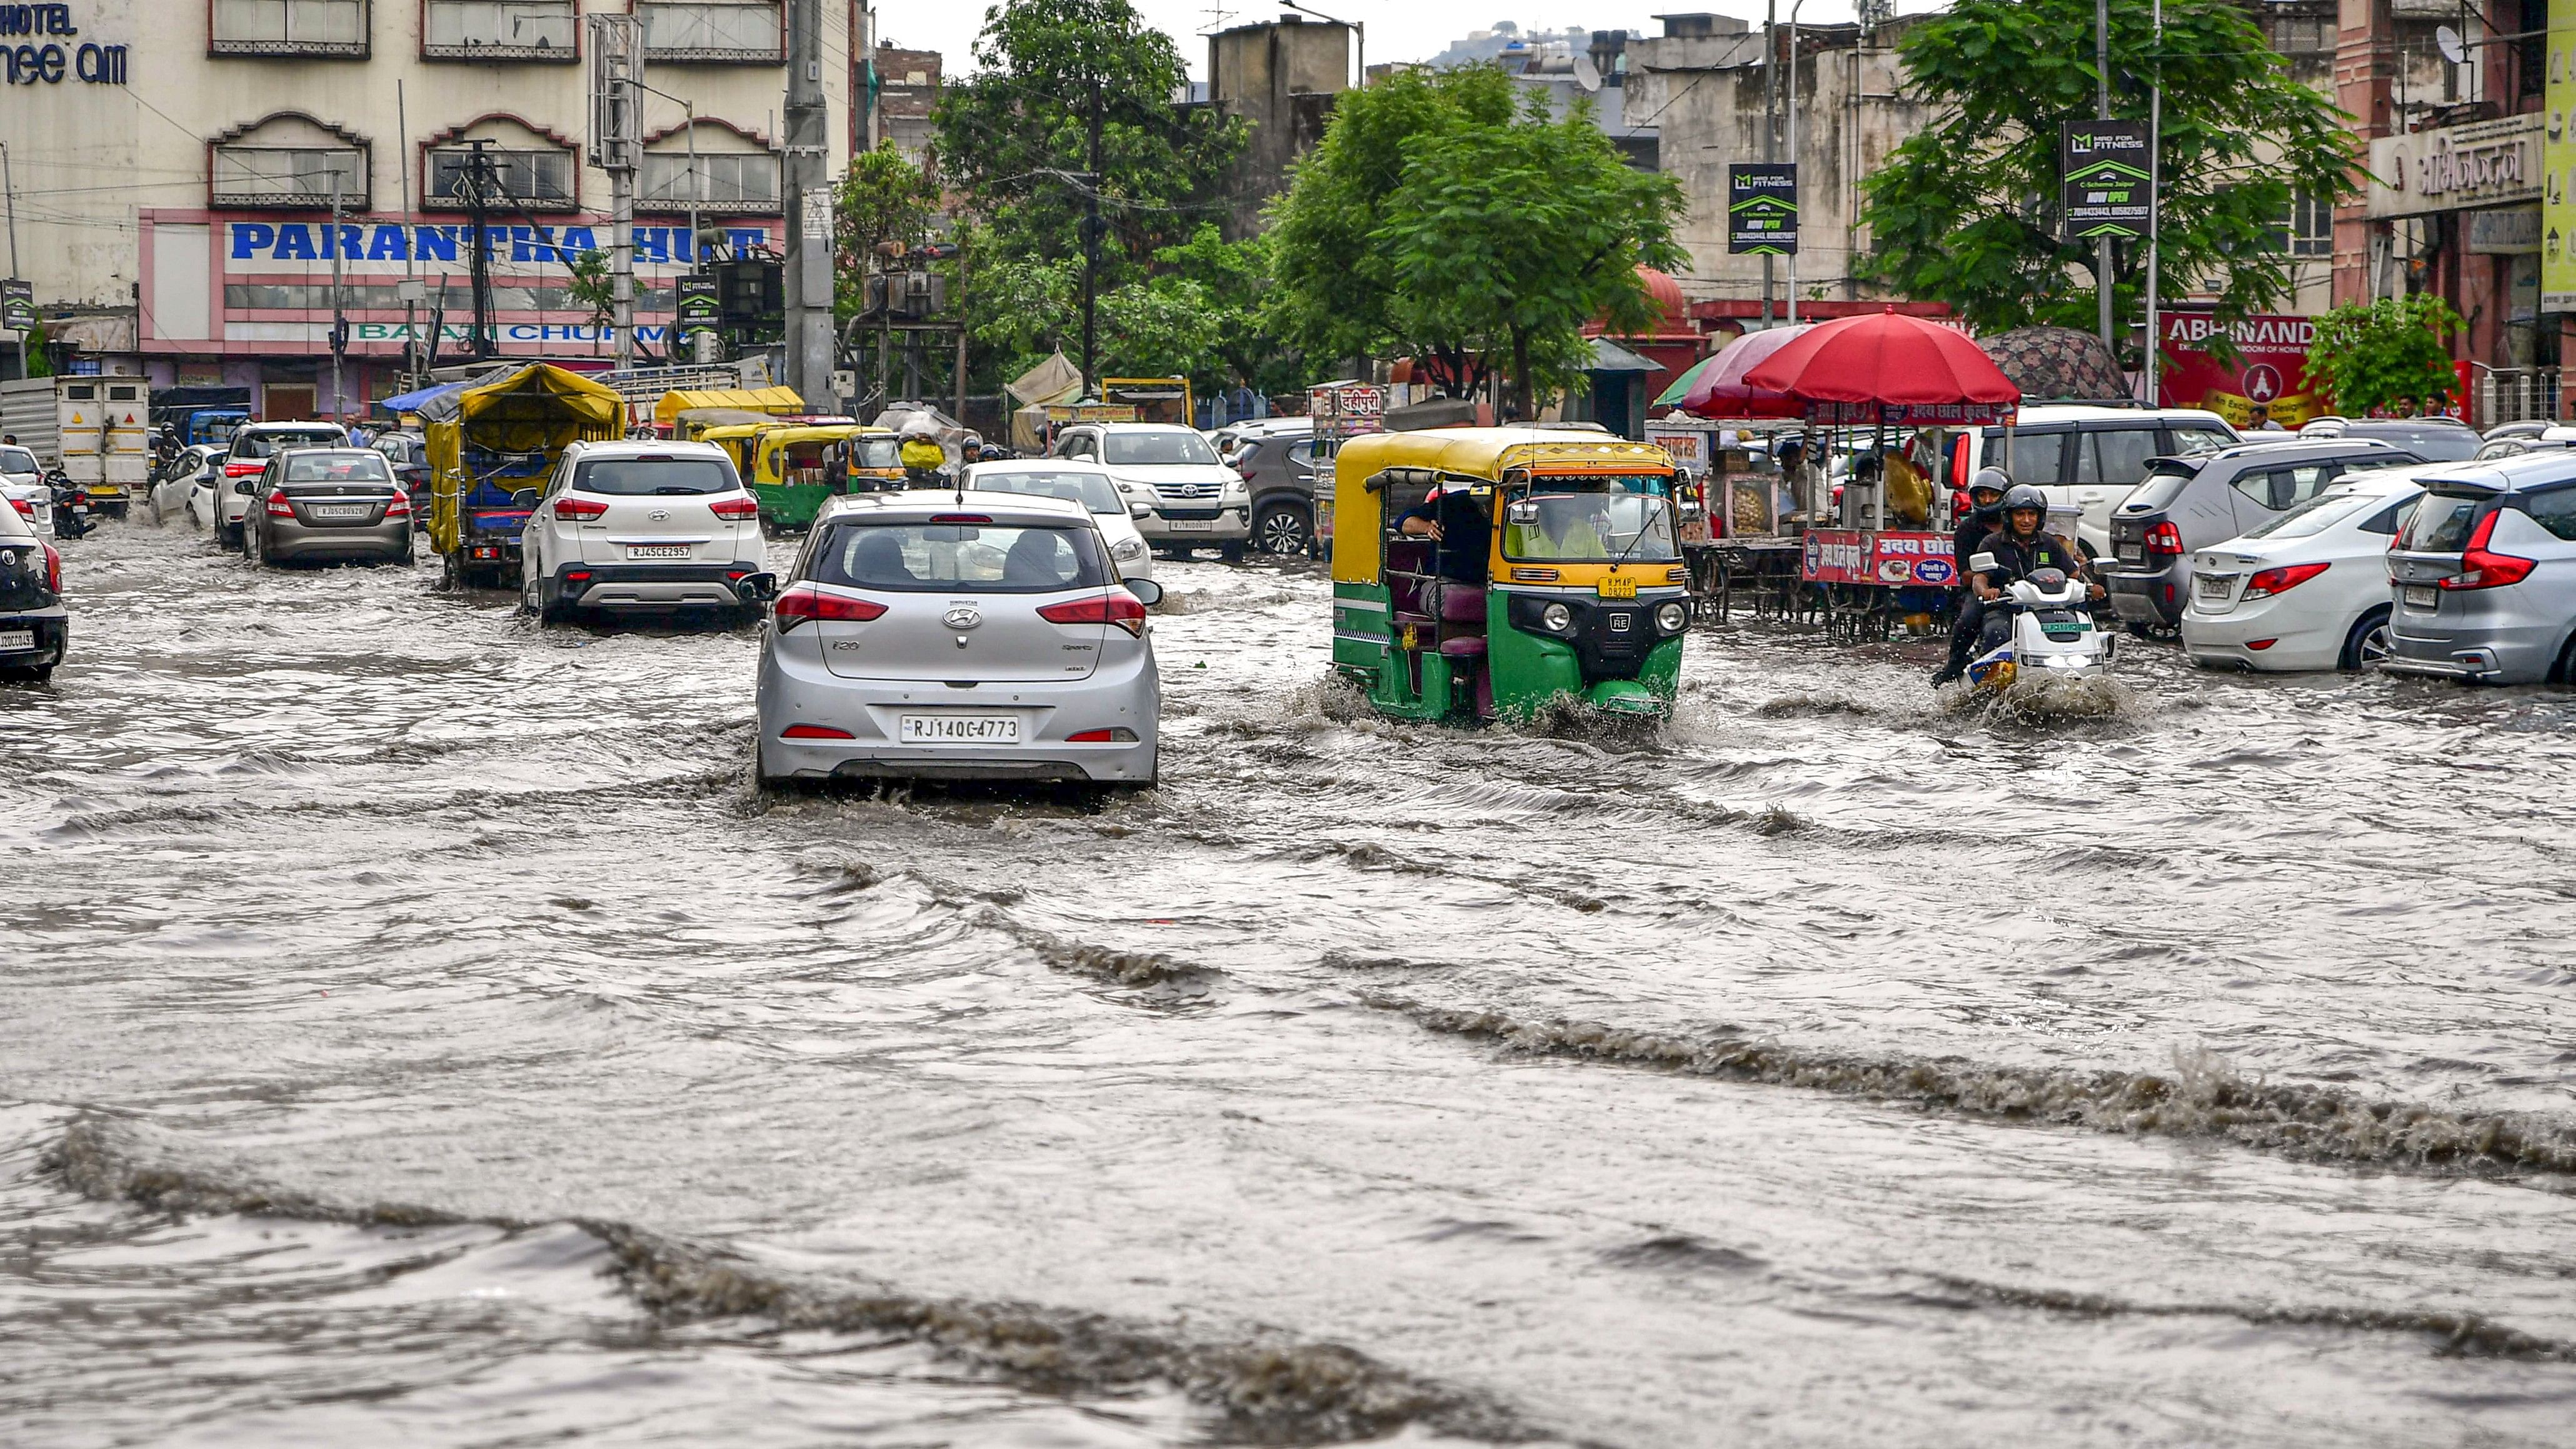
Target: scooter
(71,506)
(2052,635)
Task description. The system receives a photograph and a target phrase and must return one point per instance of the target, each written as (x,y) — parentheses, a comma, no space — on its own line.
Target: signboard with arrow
(2108,185)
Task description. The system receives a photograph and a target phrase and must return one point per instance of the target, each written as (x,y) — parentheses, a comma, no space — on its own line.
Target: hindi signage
(2466,167)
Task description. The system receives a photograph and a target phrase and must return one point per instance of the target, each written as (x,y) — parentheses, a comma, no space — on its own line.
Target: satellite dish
(1586,74)
(2452,49)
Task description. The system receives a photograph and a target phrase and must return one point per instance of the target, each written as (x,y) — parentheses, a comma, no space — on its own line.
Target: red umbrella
(1886,359)
(1720,391)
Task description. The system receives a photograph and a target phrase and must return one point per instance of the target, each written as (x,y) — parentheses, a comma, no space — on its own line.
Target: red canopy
(1720,392)
(1885,362)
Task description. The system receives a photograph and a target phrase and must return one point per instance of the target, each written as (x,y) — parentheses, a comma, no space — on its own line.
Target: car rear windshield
(1152,449)
(2190,439)
(338,468)
(2164,484)
(2442,524)
(17,460)
(263,445)
(961,557)
(2434,444)
(653,473)
(1091,490)
(2314,516)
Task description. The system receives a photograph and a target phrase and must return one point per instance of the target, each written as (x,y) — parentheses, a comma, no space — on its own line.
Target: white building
(173,168)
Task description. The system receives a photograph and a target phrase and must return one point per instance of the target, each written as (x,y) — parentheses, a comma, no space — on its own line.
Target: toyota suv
(2188,504)
(1194,501)
(2485,574)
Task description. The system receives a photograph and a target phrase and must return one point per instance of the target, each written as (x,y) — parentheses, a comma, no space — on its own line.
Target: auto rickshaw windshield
(1552,523)
(877,451)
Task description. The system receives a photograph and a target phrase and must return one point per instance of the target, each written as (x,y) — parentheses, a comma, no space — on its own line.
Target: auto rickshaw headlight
(1672,618)
(1556,618)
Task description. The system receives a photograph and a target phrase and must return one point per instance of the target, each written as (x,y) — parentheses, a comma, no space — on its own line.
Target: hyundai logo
(659,515)
(961,617)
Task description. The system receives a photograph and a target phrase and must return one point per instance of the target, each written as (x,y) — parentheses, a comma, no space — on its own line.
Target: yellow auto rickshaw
(1559,578)
(796,468)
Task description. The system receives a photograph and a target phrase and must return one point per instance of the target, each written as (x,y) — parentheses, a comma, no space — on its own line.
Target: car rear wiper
(673,490)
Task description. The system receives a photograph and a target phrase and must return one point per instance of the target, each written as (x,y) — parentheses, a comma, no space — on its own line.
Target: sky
(1396,29)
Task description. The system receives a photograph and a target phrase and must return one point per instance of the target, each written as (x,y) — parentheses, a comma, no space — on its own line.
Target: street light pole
(1770,123)
(2102,111)
(2155,204)
(339,317)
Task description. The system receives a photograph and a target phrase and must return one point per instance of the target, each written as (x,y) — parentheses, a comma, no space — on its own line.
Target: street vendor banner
(1896,559)
(1907,415)
(2271,368)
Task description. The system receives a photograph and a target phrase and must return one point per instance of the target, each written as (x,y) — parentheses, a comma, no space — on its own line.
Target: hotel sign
(2466,167)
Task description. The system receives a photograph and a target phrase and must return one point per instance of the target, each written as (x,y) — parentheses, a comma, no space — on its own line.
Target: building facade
(184,185)
(1280,77)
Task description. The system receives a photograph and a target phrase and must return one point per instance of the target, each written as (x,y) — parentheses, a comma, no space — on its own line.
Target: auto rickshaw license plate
(1618,588)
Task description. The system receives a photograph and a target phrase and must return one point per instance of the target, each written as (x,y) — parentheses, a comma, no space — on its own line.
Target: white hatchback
(2309,589)
(1088,484)
(22,482)
(945,634)
(634,526)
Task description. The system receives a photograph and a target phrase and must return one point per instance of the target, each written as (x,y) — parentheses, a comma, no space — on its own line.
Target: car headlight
(1127,548)
(1672,618)
(1556,618)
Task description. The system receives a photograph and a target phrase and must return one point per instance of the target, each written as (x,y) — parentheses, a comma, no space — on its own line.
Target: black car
(1280,469)
(409,453)
(35,627)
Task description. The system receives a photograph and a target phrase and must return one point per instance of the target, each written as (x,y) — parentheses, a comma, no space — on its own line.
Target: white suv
(1194,501)
(642,526)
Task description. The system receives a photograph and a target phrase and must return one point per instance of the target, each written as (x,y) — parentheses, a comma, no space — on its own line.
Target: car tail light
(2482,569)
(1117,606)
(814,732)
(579,508)
(2164,538)
(25,508)
(244,470)
(2280,580)
(2259,645)
(1120,735)
(400,507)
(735,509)
(805,602)
(53,570)
(278,507)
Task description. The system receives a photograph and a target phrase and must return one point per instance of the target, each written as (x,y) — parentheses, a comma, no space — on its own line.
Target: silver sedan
(334,505)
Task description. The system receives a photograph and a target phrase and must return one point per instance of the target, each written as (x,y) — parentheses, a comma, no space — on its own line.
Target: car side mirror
(756,588)
(1140,510)
(246,487)
(1981,563)
(1147,592)
(1523,512)
(524,498)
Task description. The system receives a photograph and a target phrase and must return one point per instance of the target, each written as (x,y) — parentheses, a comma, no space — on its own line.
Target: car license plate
(340,510)
(1618,588)
(2212,586)
(1192,525)
(988,729)
(17,639)
(2133,553)
(657,550)
(2423,596)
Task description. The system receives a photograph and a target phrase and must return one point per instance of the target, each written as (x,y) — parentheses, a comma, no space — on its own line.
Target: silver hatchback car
(2485,574)
(958,636)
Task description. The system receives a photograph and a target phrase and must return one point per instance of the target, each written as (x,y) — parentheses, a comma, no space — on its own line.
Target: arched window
(735,173)
(529,169)
(288,160)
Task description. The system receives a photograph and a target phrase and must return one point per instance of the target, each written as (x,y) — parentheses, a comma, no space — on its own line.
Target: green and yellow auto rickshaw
(1572,589)
(794,469)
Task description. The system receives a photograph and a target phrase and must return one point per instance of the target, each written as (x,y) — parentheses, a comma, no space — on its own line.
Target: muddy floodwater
(415,1029)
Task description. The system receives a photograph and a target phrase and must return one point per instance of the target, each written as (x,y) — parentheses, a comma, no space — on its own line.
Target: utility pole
(1770,123)
(1092,226)
(2155,202)
(616,144)
(2102,111)
(479,188)
(809,207)
(339,315)
(1793,143)
(9,188)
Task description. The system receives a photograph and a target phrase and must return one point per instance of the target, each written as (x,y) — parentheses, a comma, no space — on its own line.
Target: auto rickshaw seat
(1461,603)
(1464,646)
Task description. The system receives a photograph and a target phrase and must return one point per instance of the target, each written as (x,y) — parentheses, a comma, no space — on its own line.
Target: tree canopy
(1444,216)
(2373,355)
(1967,210)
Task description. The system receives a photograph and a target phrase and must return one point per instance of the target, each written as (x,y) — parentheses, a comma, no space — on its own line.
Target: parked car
(2187,504)
(35,625)
(1195,501)
(193,469)
(944,635)
(2523,428)
(2307,589)
(409,453)
(1088,484)
(2485,574)
(641,526)
(246,458)
(1230,439)
(1280,471)
(2436,440)
(2092,457)
(22,482)
(328,505)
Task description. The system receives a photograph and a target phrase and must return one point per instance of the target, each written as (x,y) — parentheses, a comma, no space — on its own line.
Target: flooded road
(417,1027)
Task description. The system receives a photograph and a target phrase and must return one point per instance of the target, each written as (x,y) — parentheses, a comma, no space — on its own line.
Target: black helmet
(1991,478)
(2023,495)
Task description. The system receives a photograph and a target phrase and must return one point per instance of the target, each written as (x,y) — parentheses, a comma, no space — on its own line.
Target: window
(2029,457)
(725,181)
(2554,510)
(2303,34)
(975,558)
(2114,455)
(289,27)
(2281,488)
(337,468)
(2189,440)
(499,29)
(1092,490)
(534,179)
(290,176)
(654,474)
(2392,518)
(2309,229)
(1177,448)
(734,30)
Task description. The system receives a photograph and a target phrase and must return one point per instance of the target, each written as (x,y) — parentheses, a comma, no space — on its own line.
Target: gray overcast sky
(1397,29)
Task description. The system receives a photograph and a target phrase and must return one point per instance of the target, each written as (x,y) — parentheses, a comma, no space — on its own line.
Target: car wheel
(250,545)
(2564,671)
(2367,645)
(1282,530)
(532,597)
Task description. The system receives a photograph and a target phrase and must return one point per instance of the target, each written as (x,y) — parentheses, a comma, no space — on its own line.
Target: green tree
(2370,355)
(883,200)
(32,343)
(1443,217)
(592,286)
(1967,211)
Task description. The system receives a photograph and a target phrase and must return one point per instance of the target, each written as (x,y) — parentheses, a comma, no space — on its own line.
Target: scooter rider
(1986,500)
(2021,547)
